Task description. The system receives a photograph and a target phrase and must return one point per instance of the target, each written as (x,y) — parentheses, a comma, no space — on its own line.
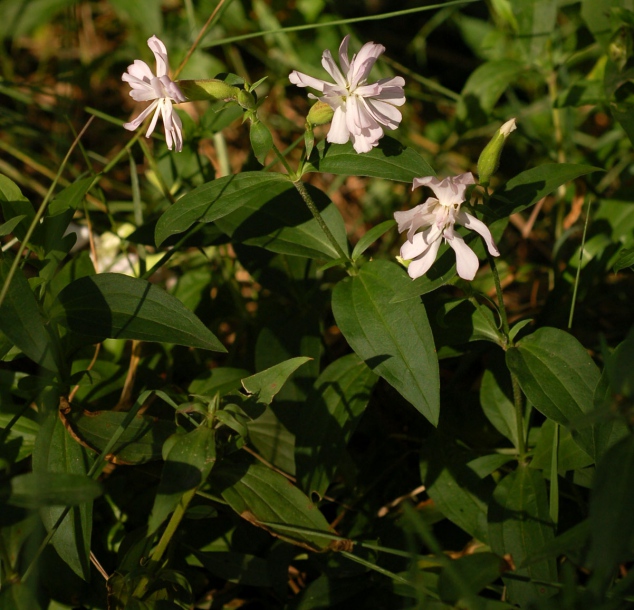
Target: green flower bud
(320,114)
(490,156)
(213,89)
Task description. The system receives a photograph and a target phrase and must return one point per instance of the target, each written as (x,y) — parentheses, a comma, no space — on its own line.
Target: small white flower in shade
(437,216)
(161,90)
(362,110)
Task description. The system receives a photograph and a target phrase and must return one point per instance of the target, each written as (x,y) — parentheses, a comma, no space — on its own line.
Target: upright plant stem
(301,189)
(308,200)
(517,392)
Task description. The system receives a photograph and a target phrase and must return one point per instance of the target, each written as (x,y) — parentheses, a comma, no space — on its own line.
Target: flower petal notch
(361,110)
(160,90)
(437,217)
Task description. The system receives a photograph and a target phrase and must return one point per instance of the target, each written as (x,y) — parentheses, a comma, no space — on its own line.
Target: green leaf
(19,596)
(216,199)
(572,540)
(498,407)
(122,307)
(236,567)
(569,455)
(332,411)
(266,384)
(261,140)
(530,186)
(274,214)
(58,457)
(559,378)
(262,496)
(463,320)
(278,220)
(484,88)
(7,227)
(21,320)
(370,237)
(519,525)
(458,492)
(624,260)
(36,490)
(14,204)
(140,442)
(476,572)
(273,441)
(390,160)
(394,339)
(536,20)
(187,466)
(611,522)
(21,440)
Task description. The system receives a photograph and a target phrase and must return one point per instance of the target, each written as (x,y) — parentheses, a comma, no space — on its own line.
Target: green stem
(284,162)
(574,290)
(161,547)
(519,418)
(301,189)
(517,392)
(498,290)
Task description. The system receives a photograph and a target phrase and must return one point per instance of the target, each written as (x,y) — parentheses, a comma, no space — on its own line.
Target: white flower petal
(160,53)
(140,70)
(303,80)
(421,265)
(508,127)
(417,246)
(135,123)
(331,67)
(150,129)
(338,133)
(362,63)
(386,114)
(471,222)
(407,219)
(344,62)
(467,262)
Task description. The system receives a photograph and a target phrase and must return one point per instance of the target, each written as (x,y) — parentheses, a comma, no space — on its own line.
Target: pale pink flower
(437,216)
(362,110)
(161,90)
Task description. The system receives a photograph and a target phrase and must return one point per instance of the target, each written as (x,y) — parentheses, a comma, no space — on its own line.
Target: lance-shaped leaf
(111,305)
(394,339)
(266,499)
(611,523)
(530,186)
(260,209)
(57,454)
(519,525)
(332,411)
(187,466)
(390,160)
(266,384)
(559,378)
(21,320)
(140,442)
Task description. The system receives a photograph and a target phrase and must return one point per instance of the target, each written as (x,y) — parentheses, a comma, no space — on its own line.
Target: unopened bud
(213,89)
(490,156)
(320,114)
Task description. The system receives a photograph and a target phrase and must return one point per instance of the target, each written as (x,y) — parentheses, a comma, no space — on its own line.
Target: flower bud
(320,114)
(490,156)
(216,90)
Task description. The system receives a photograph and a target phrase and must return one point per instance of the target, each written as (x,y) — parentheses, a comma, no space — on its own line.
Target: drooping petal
(160,53)
(407,219)
(338,133)
(417,246)
(135,123)
(178,132)
(471,222)
(150,129)
(467,262)
(421,265)
(367,139)
(303,80)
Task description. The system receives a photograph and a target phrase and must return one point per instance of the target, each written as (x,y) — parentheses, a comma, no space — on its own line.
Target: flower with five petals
(159,89)
(437,216)
(361,110)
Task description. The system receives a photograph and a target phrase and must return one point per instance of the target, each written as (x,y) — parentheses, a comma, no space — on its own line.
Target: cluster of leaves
(243,402)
